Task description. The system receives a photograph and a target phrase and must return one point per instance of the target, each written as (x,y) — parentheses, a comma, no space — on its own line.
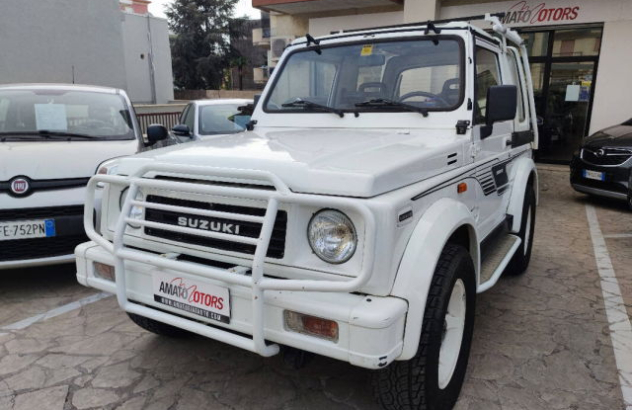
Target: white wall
(136,44)
(325,25)
(613,92)
(41,41)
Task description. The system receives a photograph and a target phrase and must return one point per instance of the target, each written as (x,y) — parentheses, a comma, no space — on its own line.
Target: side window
(188,117)
(513,64)
(4,109)
(487,75)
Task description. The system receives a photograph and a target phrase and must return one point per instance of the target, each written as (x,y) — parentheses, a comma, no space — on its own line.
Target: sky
(243,7)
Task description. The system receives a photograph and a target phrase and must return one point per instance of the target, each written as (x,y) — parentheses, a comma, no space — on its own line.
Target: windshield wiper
(300,103)
(45,134)
(383,102)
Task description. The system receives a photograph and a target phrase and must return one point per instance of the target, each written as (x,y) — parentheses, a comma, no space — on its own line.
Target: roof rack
(497,26)
(430,22)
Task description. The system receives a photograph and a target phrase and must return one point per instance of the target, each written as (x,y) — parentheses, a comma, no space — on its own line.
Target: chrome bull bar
(257,282)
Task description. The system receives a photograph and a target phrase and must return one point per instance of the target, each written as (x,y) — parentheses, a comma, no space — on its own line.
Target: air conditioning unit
(277,45)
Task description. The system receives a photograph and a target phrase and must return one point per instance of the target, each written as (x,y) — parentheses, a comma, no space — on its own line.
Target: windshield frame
(125,102)
(300,48)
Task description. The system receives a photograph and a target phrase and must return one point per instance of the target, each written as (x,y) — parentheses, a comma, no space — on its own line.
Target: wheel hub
(452,337)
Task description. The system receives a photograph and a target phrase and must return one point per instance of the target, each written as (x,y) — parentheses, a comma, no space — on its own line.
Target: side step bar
(500,253)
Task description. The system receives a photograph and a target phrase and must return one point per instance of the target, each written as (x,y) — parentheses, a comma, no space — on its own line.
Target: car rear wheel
(433,378)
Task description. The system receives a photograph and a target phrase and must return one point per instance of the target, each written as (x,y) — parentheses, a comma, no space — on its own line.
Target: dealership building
(580,51)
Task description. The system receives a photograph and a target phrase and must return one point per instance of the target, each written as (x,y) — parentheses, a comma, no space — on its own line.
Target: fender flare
(419,261)
(523,169)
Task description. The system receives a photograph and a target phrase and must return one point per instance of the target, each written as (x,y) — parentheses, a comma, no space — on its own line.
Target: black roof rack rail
(427,23)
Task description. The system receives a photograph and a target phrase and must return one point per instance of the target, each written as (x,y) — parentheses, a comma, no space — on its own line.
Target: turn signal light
(103,271)
(311,325)
(462,187)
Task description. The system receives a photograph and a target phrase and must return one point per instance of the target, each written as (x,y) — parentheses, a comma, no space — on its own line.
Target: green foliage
(200,48)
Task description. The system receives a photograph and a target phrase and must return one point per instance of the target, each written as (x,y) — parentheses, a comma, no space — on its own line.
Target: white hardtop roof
(222,101)
(61,87)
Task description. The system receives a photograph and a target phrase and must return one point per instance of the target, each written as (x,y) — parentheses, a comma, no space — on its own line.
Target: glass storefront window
(577,42)
(537,42)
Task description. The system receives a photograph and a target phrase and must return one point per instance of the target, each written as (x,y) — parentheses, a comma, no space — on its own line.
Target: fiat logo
(20,186)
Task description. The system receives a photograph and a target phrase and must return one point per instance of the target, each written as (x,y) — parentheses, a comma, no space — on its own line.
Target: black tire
(158,328)
(520,261)
(414,384)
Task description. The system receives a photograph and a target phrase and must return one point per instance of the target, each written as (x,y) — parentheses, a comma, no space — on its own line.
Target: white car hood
(358,162)
(42,160)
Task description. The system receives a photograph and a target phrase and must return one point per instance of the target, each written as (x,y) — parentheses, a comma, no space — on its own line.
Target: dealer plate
(596,175)
(202,299)
(41,228)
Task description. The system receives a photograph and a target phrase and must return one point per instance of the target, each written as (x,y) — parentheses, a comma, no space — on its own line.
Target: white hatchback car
(205,118)
(52,140)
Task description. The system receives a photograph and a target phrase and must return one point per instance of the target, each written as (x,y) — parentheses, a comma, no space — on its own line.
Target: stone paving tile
(50,287)
(540,342)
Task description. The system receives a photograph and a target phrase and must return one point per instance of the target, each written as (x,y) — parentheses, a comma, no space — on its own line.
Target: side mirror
(502,105)
(155,133)
(181,130)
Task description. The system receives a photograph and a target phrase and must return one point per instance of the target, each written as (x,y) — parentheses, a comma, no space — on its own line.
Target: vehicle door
(491,152)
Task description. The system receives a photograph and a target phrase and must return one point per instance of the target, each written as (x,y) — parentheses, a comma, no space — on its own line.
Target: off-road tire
(520,261)
(414,384)
(157,327)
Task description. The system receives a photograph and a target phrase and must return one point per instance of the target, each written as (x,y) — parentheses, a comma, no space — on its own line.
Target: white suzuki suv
(387,178)
(52,139)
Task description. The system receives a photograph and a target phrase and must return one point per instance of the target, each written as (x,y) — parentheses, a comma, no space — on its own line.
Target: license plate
(596,175)
(202,299)
(43,228)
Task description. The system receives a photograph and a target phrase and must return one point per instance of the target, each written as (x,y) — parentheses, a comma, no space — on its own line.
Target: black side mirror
(181,130)
(502,105)
(155,133)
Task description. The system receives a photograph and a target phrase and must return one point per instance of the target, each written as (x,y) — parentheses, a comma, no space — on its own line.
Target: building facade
(86,42)
(581,51)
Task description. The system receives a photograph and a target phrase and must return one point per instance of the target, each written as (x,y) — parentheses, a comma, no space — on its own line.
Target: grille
(610,156)
(248,229)
(39,248)
(34,213)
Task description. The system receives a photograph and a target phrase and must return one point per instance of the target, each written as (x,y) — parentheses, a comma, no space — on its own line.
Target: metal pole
(150,61)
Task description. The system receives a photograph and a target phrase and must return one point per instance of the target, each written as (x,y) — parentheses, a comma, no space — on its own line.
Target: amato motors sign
(527,13)
(522,12)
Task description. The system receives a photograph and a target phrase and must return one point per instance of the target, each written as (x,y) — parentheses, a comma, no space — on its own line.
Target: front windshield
(81,113)
(222,119)
(375,76)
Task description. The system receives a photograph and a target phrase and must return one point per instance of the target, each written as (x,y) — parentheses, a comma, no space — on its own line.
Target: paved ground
(541,341)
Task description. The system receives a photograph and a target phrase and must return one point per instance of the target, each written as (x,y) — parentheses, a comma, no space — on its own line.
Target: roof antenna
(430,26)
(312,40)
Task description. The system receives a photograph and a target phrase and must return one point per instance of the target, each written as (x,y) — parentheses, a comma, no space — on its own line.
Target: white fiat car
(52,140)
(386,179)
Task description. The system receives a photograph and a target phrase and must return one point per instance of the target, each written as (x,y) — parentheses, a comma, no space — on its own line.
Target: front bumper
(371,329)
(617,179)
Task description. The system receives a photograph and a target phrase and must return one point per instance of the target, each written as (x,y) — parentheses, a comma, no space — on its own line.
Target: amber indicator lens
(462,187)
(104,271)
(311,325)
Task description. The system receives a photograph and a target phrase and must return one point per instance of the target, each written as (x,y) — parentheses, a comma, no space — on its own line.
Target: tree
(201,48)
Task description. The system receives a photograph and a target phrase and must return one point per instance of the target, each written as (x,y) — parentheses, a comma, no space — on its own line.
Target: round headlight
(332,236)
(137,211)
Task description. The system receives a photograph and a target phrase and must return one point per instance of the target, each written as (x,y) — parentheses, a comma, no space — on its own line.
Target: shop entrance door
(567,110)
(563,66)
